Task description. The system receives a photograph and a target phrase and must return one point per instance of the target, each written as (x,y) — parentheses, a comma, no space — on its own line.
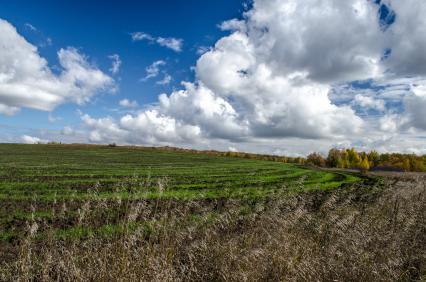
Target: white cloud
(199,106)
(155,127)
(232,149)
(273,104)
(126,103)
(233,25)
(67,130)
(115,63)
(27,81)
(172,43)
(406,38)
(369,102)
(103,129)
(154,69)
(327,41)
(8,110)
(166,79)
(148,127)
(390,123)
(32,140)
(30,27)
(416,106)
(138,36)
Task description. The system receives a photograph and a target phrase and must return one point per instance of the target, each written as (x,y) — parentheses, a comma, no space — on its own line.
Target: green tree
(374,158)
(334,159)
(345,159)
(406,164)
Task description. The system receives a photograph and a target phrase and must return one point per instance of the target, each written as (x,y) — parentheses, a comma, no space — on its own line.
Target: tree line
(350,158)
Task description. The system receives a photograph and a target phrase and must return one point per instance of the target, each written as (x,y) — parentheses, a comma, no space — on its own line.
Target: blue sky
(268,76)
(102,28)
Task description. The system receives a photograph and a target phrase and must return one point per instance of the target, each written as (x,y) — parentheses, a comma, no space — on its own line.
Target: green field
(56,172)
(35,180)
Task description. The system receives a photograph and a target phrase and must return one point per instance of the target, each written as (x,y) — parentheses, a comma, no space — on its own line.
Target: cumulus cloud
(147,127)
(156,127)
(32,140)
(27,81)
(416,106)
(67,130)
(8,110)
(326,41)
(406,40)
(104,129)
(275,98)
(293,71)
(199,106)
(368,102)
(126,103)
(233,25)
(172,43)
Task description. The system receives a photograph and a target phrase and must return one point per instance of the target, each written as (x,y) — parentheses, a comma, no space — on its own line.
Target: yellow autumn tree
(365,164)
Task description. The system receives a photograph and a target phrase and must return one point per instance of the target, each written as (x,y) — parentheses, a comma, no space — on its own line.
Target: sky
(267,76)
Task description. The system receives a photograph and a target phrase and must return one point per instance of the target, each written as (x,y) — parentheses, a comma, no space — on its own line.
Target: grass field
(49,172)
(32,177)
(100,213)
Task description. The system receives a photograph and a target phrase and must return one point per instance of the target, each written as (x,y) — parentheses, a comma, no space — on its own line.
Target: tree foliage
(316,159)
(350,158)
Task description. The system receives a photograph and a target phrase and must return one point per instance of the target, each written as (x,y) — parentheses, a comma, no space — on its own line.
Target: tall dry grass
(362,233)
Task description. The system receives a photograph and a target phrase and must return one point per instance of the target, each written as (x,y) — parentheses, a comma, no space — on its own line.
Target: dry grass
(363,233)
